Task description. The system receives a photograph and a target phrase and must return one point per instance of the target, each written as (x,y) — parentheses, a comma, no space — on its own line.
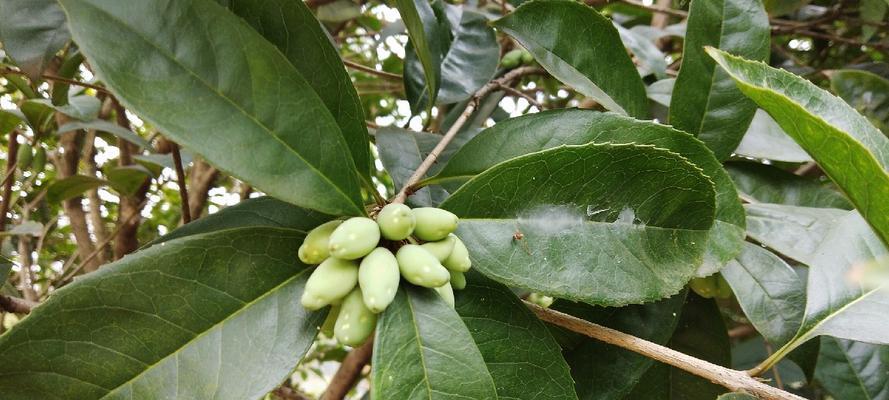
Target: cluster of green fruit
(516,57)
(26,157)
(359,278)
(713,286)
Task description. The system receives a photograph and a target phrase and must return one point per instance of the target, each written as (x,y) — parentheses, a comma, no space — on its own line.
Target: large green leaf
(603,223)
(82,107)
(240,103)
(401,152)
(214,315)
(762,183)
(32,31)
(425,32)
(551,31)
(522,357)
(422,350)
(291,27)
(72,186)
(602,371)
(769,291)
(795,232)
(705,101)
(853,370)
(105,126)
(866,92)
(651,59)
(765,139)
(850,150)
(535,132)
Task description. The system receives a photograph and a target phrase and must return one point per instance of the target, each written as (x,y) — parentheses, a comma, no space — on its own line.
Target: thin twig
(16,305)
(350,370)
(59,79)
(738,381)
(180,178)
(657,9)
(518,93)
(363,68)
(11,158)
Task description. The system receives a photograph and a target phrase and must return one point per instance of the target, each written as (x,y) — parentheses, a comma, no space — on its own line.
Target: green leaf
(765,139)
(603,224)
(551,31)
(291,27)
(762,183)
(661,91)
(170,321)
(777,8)
(235,92)
(872,12)
(706,103)
(25,228)
(70,187)
(867,92)
(338,11)
(521,355)
(127,179)
(651,59)
(769,291)
(424,32)
(9,121)
(736,396)
(795,232)
(402,151)
(747,353)
(530,133)
(418,343)
(32,31)
(83,107)
(853,370)
(853,153)
(105,126)
(602,371)
(469,58)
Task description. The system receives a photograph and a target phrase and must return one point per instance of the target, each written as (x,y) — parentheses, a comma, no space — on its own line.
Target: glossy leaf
(82,107)
(171,321)
(769,291)
(530,133)
(706,102)
(70,187)
(765,139)
(652,60)
(105,126)
(795,232)
(291,27)
(747,353)
(235,90)
(853,153)
(867,92)
(602,371)
(127,179)
(418,342)
(32,31)
(521,355)
(853,370)
(603,224)
(401,152)
(603,72)
(661,92)
(762,183)
(424,32)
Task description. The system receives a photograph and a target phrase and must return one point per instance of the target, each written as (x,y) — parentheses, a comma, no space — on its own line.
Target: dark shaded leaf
(401,152)
(765,139)
(425,34)
(105,126)
(70,187)
(127,179)
(767,184)
(795,232)
(867,92)
(32,31)
(853,370)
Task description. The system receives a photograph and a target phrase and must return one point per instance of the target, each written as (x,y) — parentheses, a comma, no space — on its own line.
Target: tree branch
(738,381)
(127,230)
(58,79)
(11,158)
(372,71)
(200,182)
(180,179)
(16,305)
(349,372)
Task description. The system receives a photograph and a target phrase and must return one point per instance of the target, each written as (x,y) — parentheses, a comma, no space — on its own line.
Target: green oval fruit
(441,249)
(24,156)
(356,322)
(459,259)
(511,59)
(420,267)
(330,321)
(447,293)
(434,223)
(527,58)
(723,290)
(706,287)
(458,280)
(396,221)
(39,162)
(331,281)
(378,277)
(354,238)
(314,249)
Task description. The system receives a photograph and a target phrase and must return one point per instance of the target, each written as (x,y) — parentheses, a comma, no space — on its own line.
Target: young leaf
(32,31)
(425,33)
(72,186)
(853,370)
(602,223)
(765,139)
(853,153)
(127,179)
(768,184)
(866,92)
(418,342)
(551,30)
(706,103)
(548,129)
(522,357)
(795,232)
(105,126)
(241,104)
(769,291)
(291,27)
(171,321)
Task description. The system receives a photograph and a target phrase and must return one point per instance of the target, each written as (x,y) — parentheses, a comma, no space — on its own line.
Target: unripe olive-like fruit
(441,249)
(434,223)
(331,281)
(447,293)
(24,156)
(378,277)
(39,162)
(511,59)
(459,259)
(330,321)
(354,238)
(314,248)
(458,280)
(706,287)
(420,267)
(356,322)
(527,58)
(723,290)
(396,221)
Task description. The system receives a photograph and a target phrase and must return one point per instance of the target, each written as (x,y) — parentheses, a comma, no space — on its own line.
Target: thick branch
(738,381)
(126,240)
(349,372)
(16,305)
(11,158)
(180,179)
(200,181)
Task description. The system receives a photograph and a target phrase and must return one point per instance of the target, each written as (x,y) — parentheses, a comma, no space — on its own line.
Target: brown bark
(127,240)
(16,305)
(95,204)
(349,373)
(11,156)
(203,175)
